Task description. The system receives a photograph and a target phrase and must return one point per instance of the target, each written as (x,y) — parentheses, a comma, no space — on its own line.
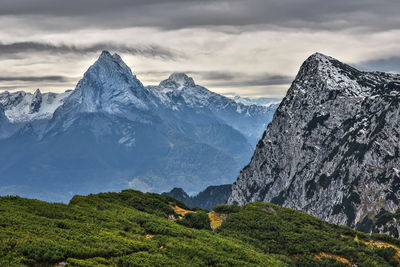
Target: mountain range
(332,148)
(259,101)
(112,132)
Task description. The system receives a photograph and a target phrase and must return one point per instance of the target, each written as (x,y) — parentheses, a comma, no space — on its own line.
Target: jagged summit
(105,54)
(108,85)
(108,64)
(178,80)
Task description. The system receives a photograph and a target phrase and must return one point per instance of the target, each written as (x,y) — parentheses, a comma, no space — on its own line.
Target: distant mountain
(207,199)
(259,101)
(112,132)
(332,149)
(194,103)
(24,107)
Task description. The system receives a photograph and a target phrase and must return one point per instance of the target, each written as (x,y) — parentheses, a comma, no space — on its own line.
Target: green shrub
(109,230)
(197,220)
(199,209)
(225,208)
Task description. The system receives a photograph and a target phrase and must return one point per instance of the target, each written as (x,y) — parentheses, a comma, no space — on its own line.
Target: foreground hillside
(135,229)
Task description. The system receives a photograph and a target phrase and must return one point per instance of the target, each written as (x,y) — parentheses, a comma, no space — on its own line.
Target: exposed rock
(332,148)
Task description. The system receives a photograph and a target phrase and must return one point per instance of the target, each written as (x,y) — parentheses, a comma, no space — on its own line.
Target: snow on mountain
(179,93)
(180,90)
(332,148)
(21,107)
(177,81)
(260,101)
(107,86)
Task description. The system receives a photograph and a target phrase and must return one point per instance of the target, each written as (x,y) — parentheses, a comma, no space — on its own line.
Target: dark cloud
(35,79)
(218,75)
(6,50)
(338,14)
(11,83)
(391,64)
(241,79)
(228,78)
(266,79)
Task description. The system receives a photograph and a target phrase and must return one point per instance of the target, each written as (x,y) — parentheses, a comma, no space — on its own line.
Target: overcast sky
(249,48)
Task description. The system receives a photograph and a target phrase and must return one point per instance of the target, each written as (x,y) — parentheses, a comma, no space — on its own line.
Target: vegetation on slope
(109,230)
(306,239)
(136,229)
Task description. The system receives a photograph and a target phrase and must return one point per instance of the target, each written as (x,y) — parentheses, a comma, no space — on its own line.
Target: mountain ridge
(332,137)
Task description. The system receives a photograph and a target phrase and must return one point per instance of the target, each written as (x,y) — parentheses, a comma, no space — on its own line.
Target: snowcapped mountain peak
(107,86)
(177,81)
(107,65)
(107,56)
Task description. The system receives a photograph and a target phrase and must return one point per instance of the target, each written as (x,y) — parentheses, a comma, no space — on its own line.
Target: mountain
(131,228)
(259,101)
(180,95)
(332,148)
(112,132)
(24,107)
(206,199)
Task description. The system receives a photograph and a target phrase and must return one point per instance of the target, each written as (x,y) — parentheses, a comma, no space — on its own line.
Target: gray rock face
(332,148)
(36,102)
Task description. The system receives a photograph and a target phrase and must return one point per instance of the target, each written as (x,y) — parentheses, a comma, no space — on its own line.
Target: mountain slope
(112,132)
(4,123)
(332,147)
(131,228)
(180,94)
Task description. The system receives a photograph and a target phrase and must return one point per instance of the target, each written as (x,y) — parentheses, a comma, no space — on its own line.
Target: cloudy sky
(249,48)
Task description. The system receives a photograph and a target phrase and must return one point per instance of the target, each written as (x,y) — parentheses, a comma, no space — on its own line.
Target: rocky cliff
(332,148)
